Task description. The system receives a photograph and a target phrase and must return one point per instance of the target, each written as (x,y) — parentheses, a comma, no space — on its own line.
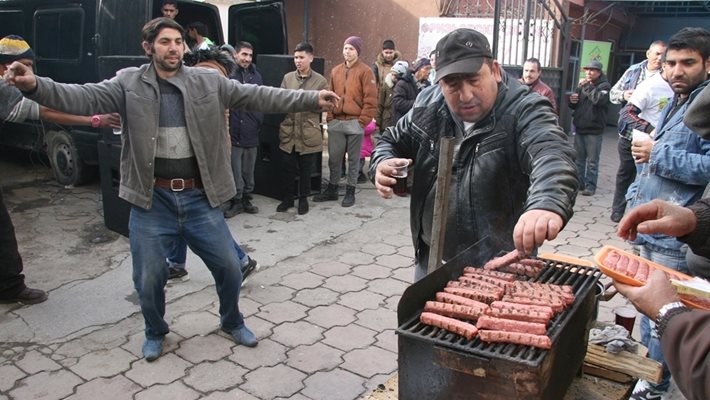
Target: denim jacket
(678,171)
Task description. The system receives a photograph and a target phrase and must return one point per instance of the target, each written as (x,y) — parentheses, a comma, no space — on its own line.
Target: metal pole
(441,203)
(305,21)
(496,27)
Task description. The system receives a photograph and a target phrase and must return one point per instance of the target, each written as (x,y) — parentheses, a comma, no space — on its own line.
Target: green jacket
(134,94)
(301,132)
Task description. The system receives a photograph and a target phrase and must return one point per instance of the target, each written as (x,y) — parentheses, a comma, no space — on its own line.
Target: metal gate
(523,29)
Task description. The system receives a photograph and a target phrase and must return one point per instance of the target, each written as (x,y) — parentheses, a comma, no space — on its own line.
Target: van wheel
(64,158)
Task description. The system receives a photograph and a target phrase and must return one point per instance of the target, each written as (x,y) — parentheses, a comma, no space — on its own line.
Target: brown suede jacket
(357,91)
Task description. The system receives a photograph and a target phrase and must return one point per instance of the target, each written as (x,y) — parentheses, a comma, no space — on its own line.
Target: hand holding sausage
(384,172)
(657,216)
(650,297)
(534,227)
(327,100)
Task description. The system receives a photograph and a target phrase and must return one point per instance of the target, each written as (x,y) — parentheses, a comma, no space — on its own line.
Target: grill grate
(581,278)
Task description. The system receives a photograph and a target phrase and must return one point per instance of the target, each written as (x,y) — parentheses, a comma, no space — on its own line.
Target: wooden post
(441,203)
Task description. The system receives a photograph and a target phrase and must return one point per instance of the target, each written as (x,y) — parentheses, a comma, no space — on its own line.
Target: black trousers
(625,175)
(301,165)
(12,282)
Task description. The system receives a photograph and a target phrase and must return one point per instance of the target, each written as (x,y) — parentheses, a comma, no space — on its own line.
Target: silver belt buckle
(181,186)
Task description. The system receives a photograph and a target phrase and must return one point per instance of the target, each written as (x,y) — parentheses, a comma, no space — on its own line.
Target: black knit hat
(461,52)
(13,48)
(388,45)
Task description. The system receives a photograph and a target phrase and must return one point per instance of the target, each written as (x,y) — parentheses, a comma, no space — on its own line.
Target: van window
(119,25)
(11,23)
(58,34)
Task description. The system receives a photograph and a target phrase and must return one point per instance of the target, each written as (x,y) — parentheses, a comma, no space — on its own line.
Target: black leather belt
(178,184)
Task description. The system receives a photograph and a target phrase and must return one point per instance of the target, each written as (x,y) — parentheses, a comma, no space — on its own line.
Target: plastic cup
(626,317)
(400,174)
(639,136)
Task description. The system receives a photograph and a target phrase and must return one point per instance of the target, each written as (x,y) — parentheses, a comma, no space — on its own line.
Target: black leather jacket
(517,159)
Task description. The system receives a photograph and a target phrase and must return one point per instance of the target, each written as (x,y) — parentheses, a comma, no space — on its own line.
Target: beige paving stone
(336,384)
(268,353)
(46,385)
(302,280)
(377,320)
(171,391)
(265,277)
(331,268)
(371,271)
(387,340)
(248,307)
(331,315)
(370,361)
(297,396)
(404,274)
(356,258)
(392,302)
(316,297)
(116,388)
(345,283)
(398,240)
(103,363)
(205,348)
(210,376)
(34,361)
(194,323)
(407,251)
(259,327)
(9,374)
(387,286)
(378,249)
(165,369)
(349,337)
(394,261)
(362,300)
(234,394)
(262,384)
(314,357)
(195,301)
(268,294)
(297,333)
(282,312)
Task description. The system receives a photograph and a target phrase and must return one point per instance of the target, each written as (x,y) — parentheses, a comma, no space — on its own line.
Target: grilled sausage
(464,301)
(454,310)
(472,283)
(495,274)
(450,324)
(475,294)
(544,309)
(509,325)
(532,262)
(520,269)
(473,278)
(557,305)
(520,315)
(498,262)
(527,339)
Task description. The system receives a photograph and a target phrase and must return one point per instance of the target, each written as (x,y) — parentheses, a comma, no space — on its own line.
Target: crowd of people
(508,143)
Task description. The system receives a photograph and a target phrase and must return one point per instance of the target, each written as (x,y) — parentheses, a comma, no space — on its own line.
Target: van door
(118,35)
(263,24)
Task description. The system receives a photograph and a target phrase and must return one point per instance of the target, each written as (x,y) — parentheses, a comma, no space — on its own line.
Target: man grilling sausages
(513,174)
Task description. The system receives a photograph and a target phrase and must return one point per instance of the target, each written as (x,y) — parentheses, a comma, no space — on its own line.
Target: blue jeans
(649,337)
(178,254)
(153,232)
(588,148)
(243,163)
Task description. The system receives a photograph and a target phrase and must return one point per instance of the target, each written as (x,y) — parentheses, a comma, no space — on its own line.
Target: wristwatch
(95,121)
(667,312)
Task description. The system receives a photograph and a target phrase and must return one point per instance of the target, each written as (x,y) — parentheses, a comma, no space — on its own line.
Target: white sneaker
(644,391)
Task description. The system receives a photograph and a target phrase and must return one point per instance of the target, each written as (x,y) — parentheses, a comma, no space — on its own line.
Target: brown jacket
(686,348)
(301,132)
(357,91)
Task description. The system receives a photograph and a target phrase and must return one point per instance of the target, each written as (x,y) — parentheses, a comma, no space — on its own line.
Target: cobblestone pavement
(323,303)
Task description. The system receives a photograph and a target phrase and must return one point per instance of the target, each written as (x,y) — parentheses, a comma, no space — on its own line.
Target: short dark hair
(199,27)
(304,46)
(171,2)
(211,54)
(657,43)
(153,27)
(534,60)
(697,39)
(242,45)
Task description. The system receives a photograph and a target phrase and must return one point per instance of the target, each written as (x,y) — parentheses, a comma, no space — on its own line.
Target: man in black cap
(513,176)
(590,102)
(384,62)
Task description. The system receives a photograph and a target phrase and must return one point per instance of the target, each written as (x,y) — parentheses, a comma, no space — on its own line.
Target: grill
(437,364)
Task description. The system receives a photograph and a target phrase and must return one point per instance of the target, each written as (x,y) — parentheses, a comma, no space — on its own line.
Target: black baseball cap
(461,52)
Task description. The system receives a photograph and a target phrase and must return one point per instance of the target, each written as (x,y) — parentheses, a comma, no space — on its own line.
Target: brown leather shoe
(27,296)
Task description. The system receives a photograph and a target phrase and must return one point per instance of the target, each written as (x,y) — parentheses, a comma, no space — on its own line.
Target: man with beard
(174,163)
(620,93)
(531,77)
(674,167)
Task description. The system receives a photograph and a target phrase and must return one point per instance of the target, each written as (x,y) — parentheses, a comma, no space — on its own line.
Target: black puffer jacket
(517,159)
(405,91)
(593,105)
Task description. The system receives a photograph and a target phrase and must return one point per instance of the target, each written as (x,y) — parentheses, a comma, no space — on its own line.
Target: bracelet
(666,313)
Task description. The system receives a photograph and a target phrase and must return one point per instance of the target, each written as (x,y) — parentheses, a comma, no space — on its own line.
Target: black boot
(349,198)
(235,207)
(285,204)
(248,207)
(330,194)
(302,206)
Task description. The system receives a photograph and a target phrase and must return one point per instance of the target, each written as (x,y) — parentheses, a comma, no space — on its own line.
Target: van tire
(64,159)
